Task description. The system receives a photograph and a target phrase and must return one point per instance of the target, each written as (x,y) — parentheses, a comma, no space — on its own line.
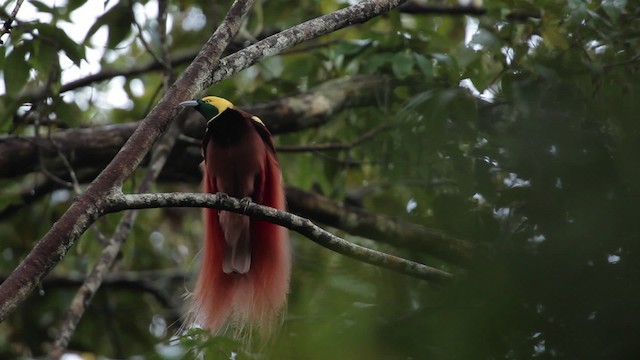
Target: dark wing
(264,133)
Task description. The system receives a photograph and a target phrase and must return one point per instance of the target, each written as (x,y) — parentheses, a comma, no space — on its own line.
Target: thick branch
(317,106)
(355,14)
(351,219)
(119,202)
(98,145)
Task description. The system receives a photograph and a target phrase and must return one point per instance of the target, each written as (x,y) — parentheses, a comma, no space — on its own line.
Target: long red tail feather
(254,299)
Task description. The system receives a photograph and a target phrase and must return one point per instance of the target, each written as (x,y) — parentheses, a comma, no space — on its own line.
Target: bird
(245,269)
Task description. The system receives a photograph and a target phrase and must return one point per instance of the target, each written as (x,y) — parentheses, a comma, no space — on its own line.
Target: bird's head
(210,107)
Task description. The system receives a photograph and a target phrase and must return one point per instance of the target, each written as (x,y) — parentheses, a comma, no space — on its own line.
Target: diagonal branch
(118,202)
(8,23)
(275,44)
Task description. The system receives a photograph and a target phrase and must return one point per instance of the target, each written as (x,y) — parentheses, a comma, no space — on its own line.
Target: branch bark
(98,145)
(118,202)
(196,78)
(6,27)
(273,45)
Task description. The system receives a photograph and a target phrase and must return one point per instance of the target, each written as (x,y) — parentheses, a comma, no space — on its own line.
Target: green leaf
(377,61)
(118,19)
(16,70)
(44,57)
(553,34)
(7,200)
(42,7)
(74,4)
(74,51)
(425,65)
(3,51)
(445,64)
(120,27)
(486,40)
(402,65)
(613,8)
(479,78)
(350,47)
(61,40)
(68,113)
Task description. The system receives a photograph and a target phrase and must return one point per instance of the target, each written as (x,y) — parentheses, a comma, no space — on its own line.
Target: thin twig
(7,26)
(164,43)
(75,184)
(118,202)
(151,281)
(148,47)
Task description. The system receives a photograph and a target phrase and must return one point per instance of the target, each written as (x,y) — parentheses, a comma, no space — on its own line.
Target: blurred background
(498,136)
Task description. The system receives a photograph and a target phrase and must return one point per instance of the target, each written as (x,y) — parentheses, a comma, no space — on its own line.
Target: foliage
(513,129)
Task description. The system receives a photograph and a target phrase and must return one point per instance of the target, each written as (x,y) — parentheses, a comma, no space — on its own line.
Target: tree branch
(118,202)
(273,45)
(153,282)
(318,105)
(7,25)
(98,145)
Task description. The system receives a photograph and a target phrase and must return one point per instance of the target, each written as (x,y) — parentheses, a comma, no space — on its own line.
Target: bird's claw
(245,202)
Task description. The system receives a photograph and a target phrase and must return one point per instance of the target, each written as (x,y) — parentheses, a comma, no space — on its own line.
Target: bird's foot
(223,197)
(245,202)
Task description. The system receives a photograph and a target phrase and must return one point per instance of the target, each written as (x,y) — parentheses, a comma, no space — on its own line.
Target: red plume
(233,293)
